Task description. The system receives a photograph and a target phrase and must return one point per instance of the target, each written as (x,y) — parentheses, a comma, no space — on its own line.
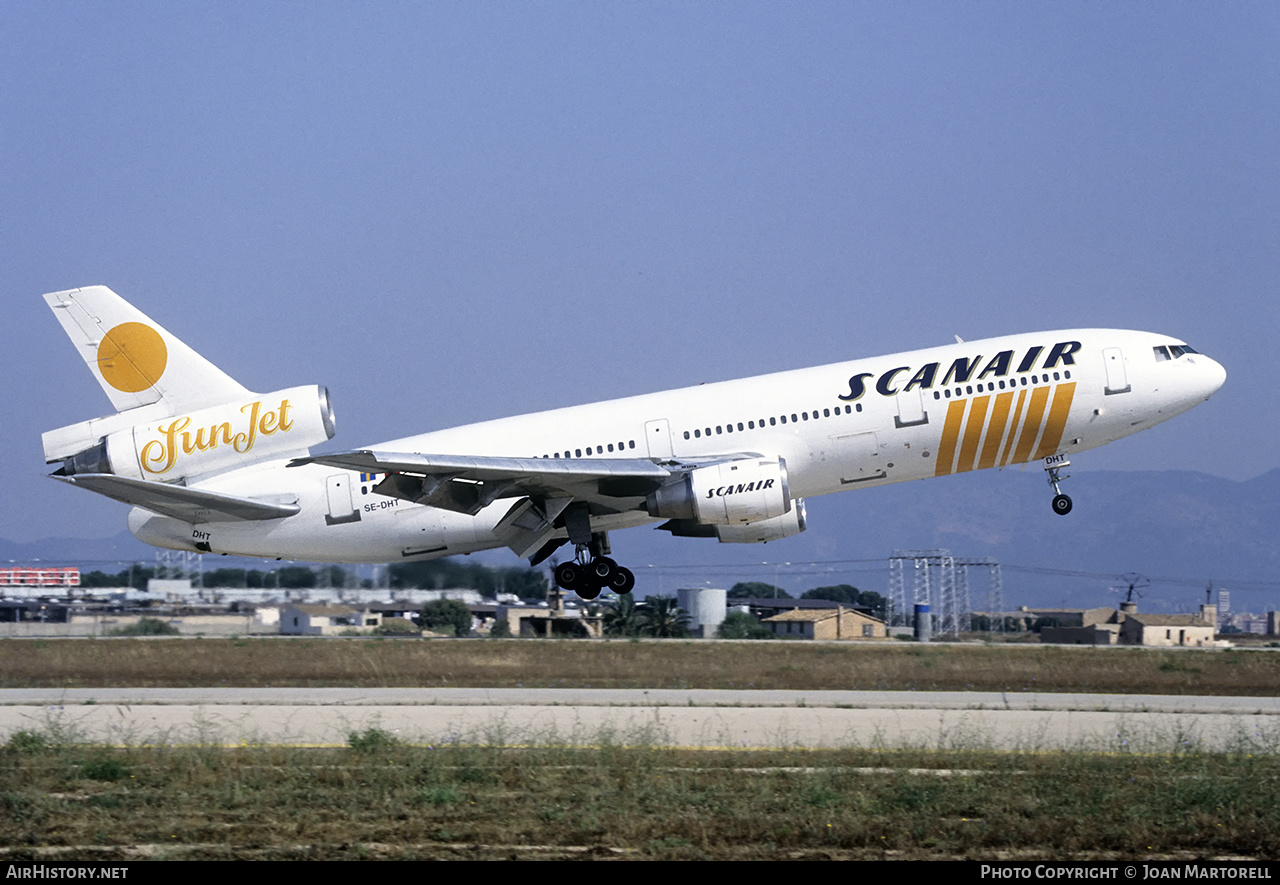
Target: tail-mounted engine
(727,494)
(211,440)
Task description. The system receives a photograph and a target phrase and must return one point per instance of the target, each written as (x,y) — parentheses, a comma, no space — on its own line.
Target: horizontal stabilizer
(180,502)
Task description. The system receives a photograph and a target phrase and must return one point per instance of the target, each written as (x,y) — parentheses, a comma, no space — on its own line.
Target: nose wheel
(1052,466)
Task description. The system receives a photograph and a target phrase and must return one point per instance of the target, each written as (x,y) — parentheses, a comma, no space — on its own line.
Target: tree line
(845,594)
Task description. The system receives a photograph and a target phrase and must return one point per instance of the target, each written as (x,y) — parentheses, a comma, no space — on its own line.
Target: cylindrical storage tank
(924,623)
(706,608)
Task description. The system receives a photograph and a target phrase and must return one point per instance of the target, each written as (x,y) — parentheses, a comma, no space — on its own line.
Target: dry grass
(63,798)
(94,663)
(381,799)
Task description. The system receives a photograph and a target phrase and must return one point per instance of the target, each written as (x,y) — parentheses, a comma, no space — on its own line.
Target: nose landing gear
(1053,464)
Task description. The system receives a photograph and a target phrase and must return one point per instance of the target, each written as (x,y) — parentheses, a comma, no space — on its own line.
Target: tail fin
(138,362)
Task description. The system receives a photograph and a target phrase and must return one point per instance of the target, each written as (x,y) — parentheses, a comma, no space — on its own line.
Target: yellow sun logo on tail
(132,357)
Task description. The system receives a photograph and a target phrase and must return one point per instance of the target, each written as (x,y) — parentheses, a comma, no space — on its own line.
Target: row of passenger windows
(992,385)
(794,418)
(698,433)
(596,450)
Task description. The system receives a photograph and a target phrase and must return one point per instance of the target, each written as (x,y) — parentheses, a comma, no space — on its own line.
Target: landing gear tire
(604,568)
(623,581)
(1061,505)
(587,580)
(570,576)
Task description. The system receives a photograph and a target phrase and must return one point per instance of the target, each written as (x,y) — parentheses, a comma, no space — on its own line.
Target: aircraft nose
(1212,374)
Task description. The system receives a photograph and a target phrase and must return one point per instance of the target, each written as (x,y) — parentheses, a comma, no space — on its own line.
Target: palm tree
(661,617)
(623,619)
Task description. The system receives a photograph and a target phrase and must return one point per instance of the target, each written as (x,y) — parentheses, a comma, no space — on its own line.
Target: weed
(1175,667)
(145,627)
(372,740)
(442,795)
(24,741)
(104,768)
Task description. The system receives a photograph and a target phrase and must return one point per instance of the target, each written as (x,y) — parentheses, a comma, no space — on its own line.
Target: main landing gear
(591,570)
(588,578)
(1052,464)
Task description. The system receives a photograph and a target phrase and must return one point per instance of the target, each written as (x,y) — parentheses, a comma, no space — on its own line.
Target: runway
(669,718)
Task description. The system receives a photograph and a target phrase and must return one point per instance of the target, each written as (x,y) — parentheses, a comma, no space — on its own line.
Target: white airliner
(211,467)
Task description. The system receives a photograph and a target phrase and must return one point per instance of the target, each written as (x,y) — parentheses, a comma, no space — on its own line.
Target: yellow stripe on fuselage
(950,432)
(1013,427)
(995,430)
(1058,412)
(973,433)
(1031,426)
(991,430)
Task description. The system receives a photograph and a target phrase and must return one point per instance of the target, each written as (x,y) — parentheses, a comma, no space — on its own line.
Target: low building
(326,620)
(1093,634)
(1176,630)
(831,623)
(555,620)
(1040,618)
(1128,627)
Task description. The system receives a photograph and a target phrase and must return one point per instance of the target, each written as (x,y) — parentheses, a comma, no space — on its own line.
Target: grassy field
(380,799)
(489,663)
(61,797)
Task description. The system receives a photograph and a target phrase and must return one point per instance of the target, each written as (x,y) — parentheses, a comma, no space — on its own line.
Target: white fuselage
(950,409)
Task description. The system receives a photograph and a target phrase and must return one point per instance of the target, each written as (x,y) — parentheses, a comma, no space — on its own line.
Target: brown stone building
(834,623)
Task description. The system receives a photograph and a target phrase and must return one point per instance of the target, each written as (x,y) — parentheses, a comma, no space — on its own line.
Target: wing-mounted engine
(177,447)
(730,493)
(793,522)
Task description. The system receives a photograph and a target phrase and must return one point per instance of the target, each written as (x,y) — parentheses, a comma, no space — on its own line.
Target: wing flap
(468,484)
(180,502)
(482,469)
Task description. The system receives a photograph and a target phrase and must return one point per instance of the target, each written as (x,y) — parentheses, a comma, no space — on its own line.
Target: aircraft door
(911,411)
(1117,379)
(657,434)
(342,507)
(858,456)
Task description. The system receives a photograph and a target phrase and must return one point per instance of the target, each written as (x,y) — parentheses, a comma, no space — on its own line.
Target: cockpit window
(1172,352)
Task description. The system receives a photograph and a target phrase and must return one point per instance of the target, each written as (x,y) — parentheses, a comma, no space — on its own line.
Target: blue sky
(448,212)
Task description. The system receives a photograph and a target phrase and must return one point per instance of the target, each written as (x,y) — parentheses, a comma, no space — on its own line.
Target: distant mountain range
(1178,529)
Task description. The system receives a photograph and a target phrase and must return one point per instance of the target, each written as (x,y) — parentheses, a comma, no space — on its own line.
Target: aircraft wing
(180,502)
(467,484)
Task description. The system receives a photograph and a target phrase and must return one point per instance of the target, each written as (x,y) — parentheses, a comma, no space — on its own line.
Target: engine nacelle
(212,440)
(728,494)
(791,523)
